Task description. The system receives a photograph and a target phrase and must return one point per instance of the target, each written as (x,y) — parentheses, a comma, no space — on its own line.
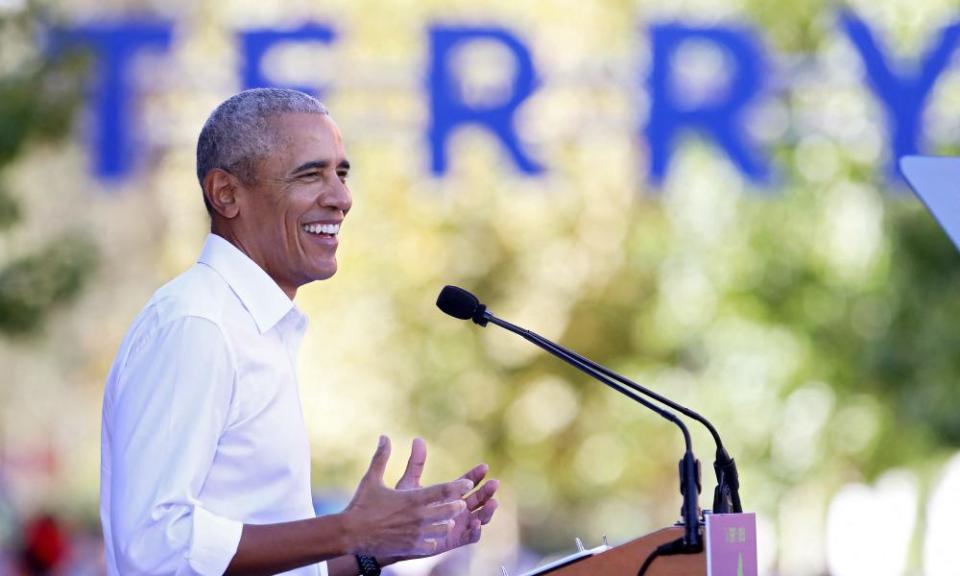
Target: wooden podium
(626,559)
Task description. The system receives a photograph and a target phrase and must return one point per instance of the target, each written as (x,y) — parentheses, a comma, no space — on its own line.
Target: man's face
(290,215)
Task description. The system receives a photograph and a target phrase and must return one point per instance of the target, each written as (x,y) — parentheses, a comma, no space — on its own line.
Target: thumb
(378,464)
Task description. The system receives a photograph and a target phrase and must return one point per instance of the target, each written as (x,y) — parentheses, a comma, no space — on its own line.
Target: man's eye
(343,176)
(310,175)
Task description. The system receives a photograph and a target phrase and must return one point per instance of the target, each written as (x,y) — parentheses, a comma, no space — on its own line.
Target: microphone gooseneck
(726,495)
(461,304)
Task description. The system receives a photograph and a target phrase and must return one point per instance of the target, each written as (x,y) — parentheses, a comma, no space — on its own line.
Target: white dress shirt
(202,426)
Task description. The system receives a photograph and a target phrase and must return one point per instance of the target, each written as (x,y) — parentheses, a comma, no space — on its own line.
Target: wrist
(385,561)
(348,541)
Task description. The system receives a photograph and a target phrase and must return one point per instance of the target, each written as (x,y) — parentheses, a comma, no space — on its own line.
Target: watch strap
(368,565)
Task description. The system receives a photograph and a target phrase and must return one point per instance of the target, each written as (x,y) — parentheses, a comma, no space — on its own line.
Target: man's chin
(324,272)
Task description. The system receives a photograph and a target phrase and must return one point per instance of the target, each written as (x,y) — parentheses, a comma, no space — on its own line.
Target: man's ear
(221,187)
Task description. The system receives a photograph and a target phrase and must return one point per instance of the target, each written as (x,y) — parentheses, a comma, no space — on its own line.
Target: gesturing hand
(480,505)
(409,522)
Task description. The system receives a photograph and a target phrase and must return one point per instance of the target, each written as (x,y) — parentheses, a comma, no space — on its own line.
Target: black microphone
(461,304)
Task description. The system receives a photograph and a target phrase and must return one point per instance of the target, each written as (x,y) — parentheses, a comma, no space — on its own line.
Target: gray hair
(238,133)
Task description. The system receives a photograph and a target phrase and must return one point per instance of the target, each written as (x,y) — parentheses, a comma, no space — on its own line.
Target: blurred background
(700,194)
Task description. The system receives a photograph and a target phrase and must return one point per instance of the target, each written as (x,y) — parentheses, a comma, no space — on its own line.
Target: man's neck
(289,289)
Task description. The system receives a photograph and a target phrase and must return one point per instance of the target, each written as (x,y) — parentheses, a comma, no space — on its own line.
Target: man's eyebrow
(311,165)
(319,165)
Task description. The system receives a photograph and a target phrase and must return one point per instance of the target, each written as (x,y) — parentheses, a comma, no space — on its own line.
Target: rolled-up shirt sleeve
(170,408)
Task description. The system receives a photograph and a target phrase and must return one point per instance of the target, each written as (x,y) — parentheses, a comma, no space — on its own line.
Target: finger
(477,473)
(486,513)
(441,492)
(418,458)
(378,464)
(486,492)
(444,512)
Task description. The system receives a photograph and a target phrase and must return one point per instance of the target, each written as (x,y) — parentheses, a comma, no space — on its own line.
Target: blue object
(256,43)
(936,181)
(904,97)
(722,118)
(115,45)
(449,110)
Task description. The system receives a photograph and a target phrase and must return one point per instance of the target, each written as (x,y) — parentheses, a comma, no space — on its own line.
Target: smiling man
(205,463)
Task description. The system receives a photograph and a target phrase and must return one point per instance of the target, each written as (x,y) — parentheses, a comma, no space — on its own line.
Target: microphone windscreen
(457,302)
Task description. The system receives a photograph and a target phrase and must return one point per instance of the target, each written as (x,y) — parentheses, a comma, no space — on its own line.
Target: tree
(38,98)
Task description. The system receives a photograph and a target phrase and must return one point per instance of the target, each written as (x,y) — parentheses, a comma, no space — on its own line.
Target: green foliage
(914,363)
(37,102)
(10,211)
(32,285)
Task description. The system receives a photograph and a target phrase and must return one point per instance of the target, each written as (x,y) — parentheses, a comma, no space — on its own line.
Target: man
(205,461)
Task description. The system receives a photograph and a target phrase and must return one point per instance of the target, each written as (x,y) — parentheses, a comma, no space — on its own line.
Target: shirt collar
(258,292)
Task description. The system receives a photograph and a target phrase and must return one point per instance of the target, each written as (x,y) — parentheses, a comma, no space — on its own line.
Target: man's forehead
(300,134)
(304,123)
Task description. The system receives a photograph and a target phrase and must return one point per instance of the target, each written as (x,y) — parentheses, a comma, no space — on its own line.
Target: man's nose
(339,198)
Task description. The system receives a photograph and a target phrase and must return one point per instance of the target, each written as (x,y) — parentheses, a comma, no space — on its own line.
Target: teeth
(329,229)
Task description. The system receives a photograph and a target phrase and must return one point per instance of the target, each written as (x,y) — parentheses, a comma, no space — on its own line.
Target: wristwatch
(368,565)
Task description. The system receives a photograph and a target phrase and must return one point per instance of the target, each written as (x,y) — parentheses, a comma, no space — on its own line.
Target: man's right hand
(387,523)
